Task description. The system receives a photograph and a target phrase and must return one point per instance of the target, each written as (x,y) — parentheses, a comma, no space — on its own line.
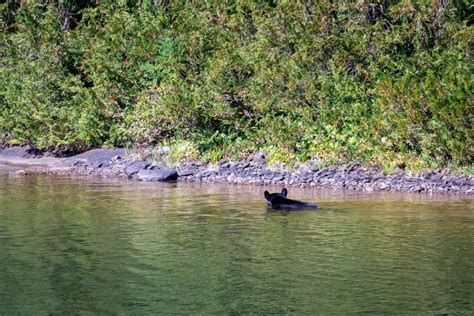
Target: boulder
(101,156)
(136,166)
(93,159)
(157,174)
(189,171)
(259,159)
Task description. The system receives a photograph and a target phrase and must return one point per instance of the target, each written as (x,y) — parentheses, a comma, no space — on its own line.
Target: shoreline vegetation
(309,83)
(254,170)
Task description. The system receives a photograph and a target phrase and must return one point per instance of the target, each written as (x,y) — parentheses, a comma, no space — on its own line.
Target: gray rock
(79,163)
(189,171)
(235,167)
(157,174)
(224,173)
(100,156)
(135,166)
(259,158)
(313,168)
(163,150)
(382,185)
(278,178)
(245,165)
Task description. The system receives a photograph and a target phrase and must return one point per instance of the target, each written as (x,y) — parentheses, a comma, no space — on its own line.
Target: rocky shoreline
(115,163)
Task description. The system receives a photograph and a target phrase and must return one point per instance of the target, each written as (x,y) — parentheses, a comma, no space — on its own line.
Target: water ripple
(100,246)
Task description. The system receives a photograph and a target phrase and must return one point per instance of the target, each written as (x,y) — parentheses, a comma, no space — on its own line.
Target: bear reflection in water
(280,201)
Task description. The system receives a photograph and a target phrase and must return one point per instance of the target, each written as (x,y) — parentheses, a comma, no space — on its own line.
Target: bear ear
(266,194)
(284,192)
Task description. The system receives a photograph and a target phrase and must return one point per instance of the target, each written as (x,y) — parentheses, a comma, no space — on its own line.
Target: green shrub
(387,83)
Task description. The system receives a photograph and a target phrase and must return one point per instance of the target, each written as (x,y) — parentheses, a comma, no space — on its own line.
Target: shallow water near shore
(79,244)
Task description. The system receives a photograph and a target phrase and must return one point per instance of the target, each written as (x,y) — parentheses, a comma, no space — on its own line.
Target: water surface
(77,245)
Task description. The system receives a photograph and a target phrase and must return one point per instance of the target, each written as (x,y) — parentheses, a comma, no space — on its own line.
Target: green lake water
(90,245)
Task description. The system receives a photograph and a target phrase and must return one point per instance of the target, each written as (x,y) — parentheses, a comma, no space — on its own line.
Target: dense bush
(389,82)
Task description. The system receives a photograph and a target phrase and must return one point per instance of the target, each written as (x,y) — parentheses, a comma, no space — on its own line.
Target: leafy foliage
(380,82)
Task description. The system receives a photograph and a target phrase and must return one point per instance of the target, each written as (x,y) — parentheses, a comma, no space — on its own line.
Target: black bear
(279,201)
